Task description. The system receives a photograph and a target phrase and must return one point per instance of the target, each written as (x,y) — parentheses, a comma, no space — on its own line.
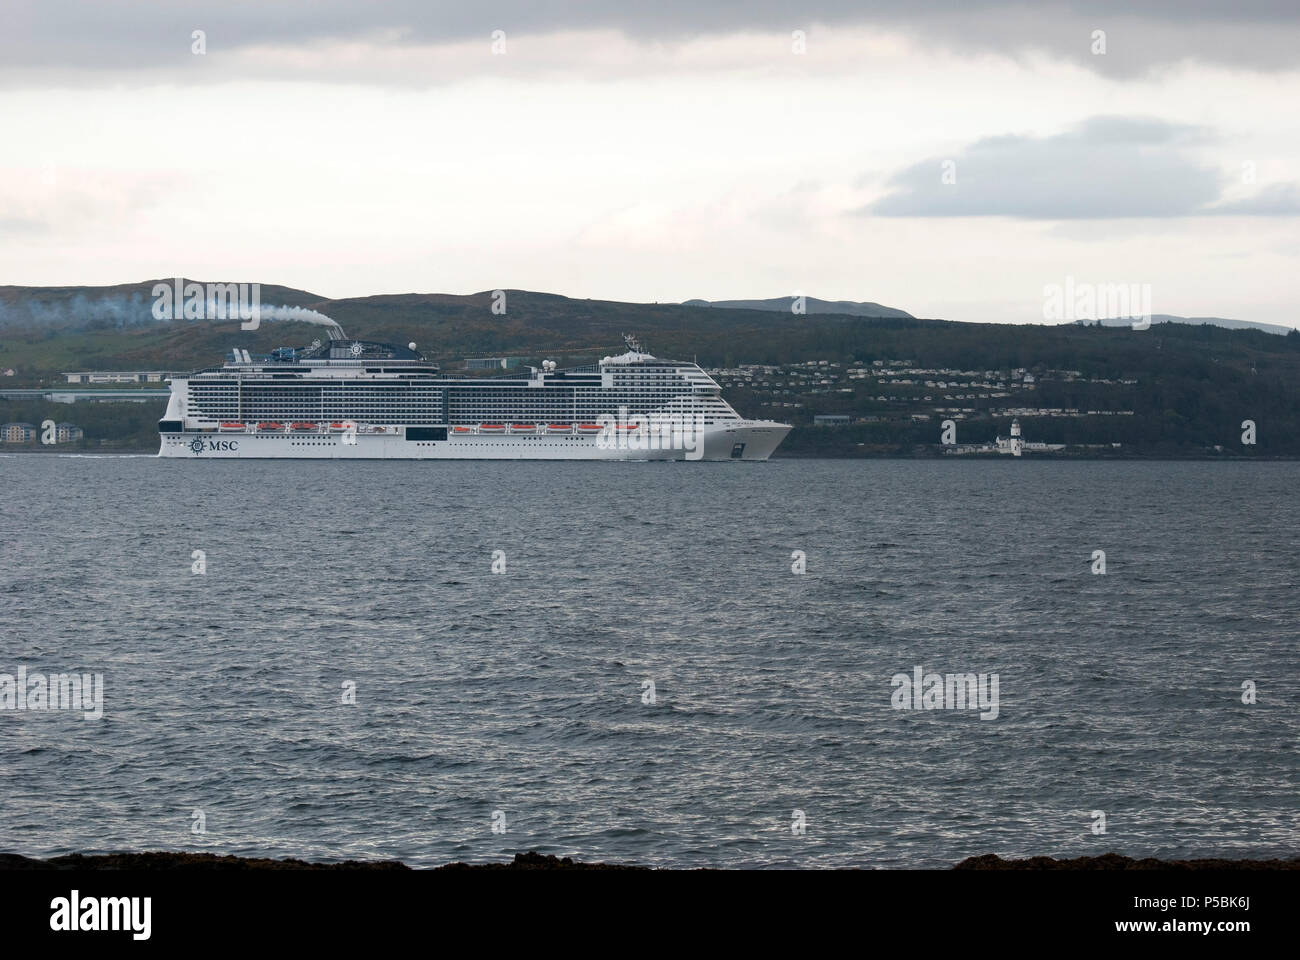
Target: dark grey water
(522,692)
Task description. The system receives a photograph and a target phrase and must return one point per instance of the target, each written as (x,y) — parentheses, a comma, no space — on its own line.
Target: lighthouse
(1017,444)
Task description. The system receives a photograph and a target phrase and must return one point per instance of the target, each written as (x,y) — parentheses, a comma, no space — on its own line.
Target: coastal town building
(117,376)
(17,432)
(27,433)
(1013,445)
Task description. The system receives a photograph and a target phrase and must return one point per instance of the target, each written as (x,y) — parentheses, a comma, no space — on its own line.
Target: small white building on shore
(1013,445)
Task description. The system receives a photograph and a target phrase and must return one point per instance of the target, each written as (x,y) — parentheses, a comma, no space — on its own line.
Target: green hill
(1171,390)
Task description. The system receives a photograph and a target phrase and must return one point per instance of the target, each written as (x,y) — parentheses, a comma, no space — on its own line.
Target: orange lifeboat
(302,426)
(270,425)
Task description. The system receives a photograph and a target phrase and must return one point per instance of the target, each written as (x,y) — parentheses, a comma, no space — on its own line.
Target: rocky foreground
(212,862)
(537,861)
(1113,861)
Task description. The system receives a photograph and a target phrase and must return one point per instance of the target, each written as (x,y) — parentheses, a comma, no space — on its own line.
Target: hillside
(1226,322)
(811,305)
(1171,390)
(45,330)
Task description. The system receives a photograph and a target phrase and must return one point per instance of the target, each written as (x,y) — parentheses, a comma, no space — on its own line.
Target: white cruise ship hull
(360,400)
(734,440)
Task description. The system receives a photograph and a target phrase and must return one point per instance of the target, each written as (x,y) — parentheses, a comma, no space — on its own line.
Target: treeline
(107,426)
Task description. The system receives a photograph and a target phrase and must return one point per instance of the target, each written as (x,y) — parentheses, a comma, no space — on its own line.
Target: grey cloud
(1106,168)
(1105,130)
(13,226)
(76,35)
(1275,200)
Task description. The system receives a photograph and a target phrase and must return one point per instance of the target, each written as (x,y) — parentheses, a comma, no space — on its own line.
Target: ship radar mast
(632,342)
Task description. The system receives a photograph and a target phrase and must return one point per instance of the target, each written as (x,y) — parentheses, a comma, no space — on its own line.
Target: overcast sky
(950,161)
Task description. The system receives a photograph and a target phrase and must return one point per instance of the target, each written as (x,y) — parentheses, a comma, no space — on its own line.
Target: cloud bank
(1106,168)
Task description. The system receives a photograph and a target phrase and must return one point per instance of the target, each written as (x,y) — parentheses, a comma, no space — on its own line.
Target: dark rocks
(183,861)
(211,862)
(532,860)
(1113,861)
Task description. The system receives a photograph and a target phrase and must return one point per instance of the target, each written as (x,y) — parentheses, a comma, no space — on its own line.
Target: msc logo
(198,445)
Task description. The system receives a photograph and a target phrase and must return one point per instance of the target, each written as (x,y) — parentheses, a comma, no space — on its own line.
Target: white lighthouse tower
(1017,444)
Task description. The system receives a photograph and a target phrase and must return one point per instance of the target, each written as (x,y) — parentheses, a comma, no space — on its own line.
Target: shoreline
(167,861)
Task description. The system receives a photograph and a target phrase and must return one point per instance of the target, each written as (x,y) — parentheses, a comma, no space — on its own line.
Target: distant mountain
(129,305)
(1224,322)
(50,329)
(848,308)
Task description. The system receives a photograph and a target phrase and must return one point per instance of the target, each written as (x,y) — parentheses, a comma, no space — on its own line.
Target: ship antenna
(632,343)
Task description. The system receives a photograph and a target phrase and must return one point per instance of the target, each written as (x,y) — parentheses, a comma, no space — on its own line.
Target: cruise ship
(342,398)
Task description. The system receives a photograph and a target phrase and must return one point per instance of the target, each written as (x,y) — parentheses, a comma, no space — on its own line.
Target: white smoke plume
(170,302)
(261,312)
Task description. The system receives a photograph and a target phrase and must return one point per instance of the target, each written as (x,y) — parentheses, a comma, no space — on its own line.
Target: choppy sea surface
(520,701)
